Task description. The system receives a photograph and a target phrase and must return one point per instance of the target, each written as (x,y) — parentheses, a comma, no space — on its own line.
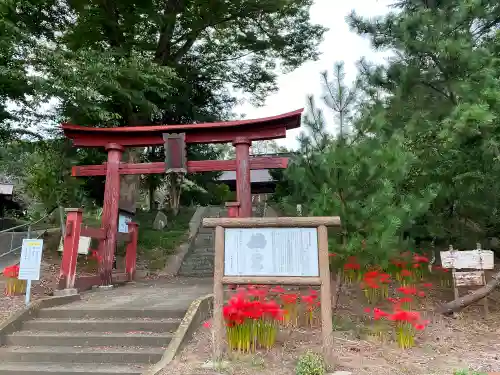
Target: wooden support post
(326,295)
(107,246)
(233,209)
(70,247)
(243,185)
(218,325)
(131,254)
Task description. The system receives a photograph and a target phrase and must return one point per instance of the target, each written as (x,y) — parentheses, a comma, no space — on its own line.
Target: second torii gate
(240,133)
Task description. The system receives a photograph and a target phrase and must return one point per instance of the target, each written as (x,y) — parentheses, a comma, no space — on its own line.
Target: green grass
(156,245)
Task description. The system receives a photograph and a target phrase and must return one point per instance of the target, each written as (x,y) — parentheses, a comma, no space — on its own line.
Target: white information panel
(271,252)
(123,221)
(31,259)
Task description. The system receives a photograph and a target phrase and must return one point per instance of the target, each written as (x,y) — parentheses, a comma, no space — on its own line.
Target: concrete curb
(199,311)
(14,322)
(174,261)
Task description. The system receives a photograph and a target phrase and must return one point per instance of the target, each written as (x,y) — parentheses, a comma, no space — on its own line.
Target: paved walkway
(162,294)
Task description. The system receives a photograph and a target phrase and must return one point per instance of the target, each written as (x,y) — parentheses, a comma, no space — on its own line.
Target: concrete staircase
(199,261)
(64,340)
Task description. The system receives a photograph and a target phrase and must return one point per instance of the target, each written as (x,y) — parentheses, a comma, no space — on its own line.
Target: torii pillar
(243,183)
(110,212)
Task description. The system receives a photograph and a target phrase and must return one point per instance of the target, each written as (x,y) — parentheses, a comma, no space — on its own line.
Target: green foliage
(155,245)
(439,93)
(356,177)
(467,372)
(310,364)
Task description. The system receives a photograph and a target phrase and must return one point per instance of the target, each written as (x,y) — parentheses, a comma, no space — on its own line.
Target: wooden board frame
(321,223)
(477,277)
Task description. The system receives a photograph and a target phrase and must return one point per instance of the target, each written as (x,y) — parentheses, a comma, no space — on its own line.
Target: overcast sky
(339,44)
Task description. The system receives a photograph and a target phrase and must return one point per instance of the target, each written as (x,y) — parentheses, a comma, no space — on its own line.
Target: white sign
(31,259)
(473,278)
(468,259)
(271,252)
(123,221)
(83,245)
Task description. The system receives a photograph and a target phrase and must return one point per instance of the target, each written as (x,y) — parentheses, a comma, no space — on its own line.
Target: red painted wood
(97,233)
(131,254)
(110,212)
(83,283)
(243,188)
(92,137)
(233,209)
(290,116)
(67,272)
(193,166)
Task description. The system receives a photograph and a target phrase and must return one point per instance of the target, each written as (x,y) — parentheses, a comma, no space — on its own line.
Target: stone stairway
(83,339)
(199,261)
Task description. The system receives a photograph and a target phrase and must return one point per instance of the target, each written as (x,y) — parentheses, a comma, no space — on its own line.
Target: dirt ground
(468,341)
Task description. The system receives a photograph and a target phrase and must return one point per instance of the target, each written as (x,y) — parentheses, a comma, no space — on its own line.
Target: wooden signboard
(478,260)
(272,250)
(175,153)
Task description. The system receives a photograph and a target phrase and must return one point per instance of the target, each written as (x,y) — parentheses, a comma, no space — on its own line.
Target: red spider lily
(420,259)
(384,278)
(416,265)
(405,316)
(11,271)
(421,294)
(352,266)
(277,289)
(379,314)
(427,285)
(408,290)
(406,273)
(289,299)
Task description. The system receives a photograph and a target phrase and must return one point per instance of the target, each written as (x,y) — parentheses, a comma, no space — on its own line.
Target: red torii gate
(240,133)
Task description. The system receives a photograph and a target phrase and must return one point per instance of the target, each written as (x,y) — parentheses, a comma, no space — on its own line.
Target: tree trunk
(151,189)
(129,184)
(462,302)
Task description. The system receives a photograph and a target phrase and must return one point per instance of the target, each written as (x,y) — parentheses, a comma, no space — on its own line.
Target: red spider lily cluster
(375,285)
(407,322)
(13,285)
(406,271)
(253,315)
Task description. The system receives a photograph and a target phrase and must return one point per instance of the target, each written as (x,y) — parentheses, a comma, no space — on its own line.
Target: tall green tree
(439,91)
(357,177)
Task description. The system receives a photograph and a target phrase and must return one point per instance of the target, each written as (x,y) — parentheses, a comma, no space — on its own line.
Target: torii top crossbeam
(216,132)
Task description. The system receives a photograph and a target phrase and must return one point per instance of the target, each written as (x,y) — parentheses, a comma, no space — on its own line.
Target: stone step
(102,325)
(16,368)
(202,251)
(85,339)
(58,354)
(69,312)
(198,273)
(204,240)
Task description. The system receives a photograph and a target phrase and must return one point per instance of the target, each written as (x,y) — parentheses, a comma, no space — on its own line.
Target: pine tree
(355,176)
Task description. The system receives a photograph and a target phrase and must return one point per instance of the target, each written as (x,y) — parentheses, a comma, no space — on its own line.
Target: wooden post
(107,247)
(326,295)
(131,254)
(233,209)
(315,270)
(218,324)
(243,186)
(70,247)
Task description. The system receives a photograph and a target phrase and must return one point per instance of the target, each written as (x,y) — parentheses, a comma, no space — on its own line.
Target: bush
(310,364)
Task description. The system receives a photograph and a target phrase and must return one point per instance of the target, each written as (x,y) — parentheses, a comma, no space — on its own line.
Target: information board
(31,259)
(468,259)
(271,252)
(123,221)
